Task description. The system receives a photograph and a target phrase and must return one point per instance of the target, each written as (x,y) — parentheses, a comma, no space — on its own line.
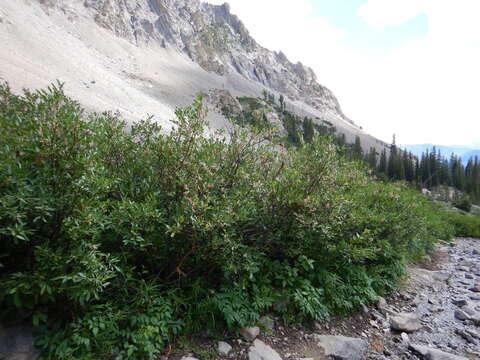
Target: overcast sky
(410,67)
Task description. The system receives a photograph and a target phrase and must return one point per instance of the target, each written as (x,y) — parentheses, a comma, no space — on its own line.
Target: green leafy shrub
(464,225)
(463,203)
(113,241)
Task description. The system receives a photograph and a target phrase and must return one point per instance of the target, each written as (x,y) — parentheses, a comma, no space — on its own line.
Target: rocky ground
(436,316)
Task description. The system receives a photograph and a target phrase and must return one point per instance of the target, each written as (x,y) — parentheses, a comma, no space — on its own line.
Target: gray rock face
(405,322)
(16,343)
(250,333)
(224,101)
(212,37)
(433,354)
(342,348)
(261,351)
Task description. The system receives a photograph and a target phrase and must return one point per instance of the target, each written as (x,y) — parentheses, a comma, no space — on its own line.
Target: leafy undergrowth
(465,225)
(114,242)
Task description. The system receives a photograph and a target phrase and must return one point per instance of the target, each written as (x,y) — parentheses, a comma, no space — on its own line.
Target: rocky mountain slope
(149,56)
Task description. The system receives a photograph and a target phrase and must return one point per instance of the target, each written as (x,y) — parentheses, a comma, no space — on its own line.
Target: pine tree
(400,167)
(371,158)
(357,152)
(271,98)
(282,103)
(417,172)
(290,123)
(265,95)
(382,166)
(308,130)
(392,160)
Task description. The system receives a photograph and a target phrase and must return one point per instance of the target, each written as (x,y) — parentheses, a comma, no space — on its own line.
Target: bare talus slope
(150,56)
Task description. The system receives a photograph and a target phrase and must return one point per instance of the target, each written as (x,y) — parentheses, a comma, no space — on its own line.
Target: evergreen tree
(371,158)
(417,172)
(341,141)
(265,95)
(392,161)
(400,167)
(271,99)
(382,167)
(408,166)
(357,152)
(282,103)
(291,125)
(308,130)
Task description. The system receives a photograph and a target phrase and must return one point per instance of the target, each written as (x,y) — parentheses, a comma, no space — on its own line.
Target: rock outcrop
(212,37)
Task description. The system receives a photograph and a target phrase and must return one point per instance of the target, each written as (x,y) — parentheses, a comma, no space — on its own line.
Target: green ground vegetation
(114,241)
(465,225)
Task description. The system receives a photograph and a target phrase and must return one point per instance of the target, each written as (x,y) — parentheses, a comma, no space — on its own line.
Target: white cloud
(430,86)
(425,91)
(382,13)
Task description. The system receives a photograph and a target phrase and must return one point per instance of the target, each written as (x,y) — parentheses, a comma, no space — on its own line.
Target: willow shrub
(113,241)
(465,225)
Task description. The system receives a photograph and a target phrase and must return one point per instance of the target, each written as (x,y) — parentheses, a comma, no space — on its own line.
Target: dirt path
(444,295)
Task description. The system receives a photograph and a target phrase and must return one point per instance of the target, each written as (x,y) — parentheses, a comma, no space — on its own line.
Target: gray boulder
(461,315)
(460,302)
(250,333)
(17,343)
(342,348)
(405,338)
(405,322)
(434,354)
(441,275)
(224,348)
(261,351)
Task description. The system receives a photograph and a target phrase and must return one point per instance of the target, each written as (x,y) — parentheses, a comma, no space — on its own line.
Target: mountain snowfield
(151,56)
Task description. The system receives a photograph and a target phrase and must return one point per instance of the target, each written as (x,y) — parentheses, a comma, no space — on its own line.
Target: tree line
(432,169)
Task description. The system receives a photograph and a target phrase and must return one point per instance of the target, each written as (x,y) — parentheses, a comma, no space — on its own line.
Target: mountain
(464,151)
(151,56)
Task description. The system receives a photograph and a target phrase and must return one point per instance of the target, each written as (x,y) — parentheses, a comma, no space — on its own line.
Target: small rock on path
(342,348)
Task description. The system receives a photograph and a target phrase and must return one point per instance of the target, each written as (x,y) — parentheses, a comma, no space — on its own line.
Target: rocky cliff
(141,57)
(212,37)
